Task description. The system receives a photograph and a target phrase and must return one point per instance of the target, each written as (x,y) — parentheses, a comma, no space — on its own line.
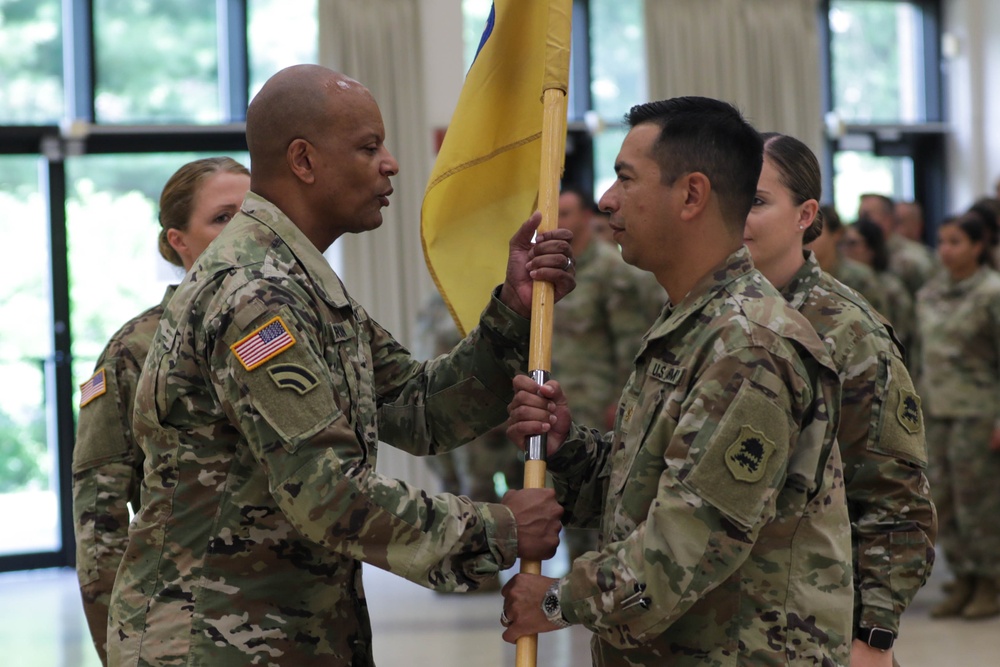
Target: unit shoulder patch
(263,344)
(908,410)
(747,457)
(93,388)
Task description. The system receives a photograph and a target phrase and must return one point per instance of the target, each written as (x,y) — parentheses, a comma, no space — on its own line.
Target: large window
(886,134)
(100,101)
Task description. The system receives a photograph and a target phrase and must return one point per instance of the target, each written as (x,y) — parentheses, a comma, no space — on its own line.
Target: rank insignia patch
(908,411)
(747,457)
(263,344)
(299,379)
(96,386)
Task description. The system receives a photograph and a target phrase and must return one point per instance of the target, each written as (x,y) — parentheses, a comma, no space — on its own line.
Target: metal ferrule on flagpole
(535,449)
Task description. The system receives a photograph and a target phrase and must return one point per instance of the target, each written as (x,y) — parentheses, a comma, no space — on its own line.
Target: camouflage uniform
(468,470)
(912,262)
(960,385)
(881,441)
(107,468)
(863,280)
(598,327)
(901,313)
(596,332)
(720,496)
(257,410)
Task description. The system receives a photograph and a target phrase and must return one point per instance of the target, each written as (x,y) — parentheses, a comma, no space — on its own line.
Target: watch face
(881,638)
(550,604)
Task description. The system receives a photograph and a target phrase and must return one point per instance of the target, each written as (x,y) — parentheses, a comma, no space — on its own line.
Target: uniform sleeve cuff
(503,321)
(501,533)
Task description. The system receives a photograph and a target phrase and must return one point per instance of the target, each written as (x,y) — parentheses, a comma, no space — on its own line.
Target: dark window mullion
(59,372)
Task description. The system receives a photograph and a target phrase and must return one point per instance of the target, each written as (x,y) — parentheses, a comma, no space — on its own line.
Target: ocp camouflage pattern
(260,496)
(719,494)
(107,469)
(882,445)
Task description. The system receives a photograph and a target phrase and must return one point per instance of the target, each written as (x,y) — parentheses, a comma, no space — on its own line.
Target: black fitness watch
(879,638)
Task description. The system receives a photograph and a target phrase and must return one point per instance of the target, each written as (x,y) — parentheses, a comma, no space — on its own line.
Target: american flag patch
(265,343)
(96,386)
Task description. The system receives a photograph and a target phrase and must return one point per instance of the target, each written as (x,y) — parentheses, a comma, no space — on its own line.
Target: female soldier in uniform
(881,433)
(864,242)
(196,203)
(958,313)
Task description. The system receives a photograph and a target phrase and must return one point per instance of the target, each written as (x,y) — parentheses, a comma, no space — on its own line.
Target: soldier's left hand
(549,258)
(522,606)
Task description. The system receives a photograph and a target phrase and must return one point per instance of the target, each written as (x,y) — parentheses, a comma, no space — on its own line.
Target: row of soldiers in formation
(760,495)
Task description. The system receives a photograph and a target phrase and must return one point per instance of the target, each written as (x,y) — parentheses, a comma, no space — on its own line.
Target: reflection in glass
(31,90)
(877,55)
(858,173)
(157,62)
(280,34)
(28,500)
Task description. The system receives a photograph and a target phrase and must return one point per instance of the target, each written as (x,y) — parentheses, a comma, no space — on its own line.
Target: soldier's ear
(177,241)
(300,156)
(697,190)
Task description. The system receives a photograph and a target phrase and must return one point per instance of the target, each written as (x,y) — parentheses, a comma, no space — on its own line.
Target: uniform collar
(705,290)
(802,283)
(965,285)
(166,295)
(311,259)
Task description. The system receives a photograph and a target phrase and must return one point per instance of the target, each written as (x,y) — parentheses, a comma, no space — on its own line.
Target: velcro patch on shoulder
(908,411)
(264,343)
(295,377)
(747,457)
(93,388)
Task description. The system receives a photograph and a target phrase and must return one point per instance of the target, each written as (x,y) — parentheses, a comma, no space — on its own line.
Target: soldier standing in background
(263,400)
(197,201)
(958,313)
(828,248)
(881,434)
(719,493)
(597,329)
(471,469)
(909,260)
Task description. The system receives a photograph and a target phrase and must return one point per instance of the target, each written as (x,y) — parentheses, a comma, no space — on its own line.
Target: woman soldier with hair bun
(881,434)
(196,203)
(958,313)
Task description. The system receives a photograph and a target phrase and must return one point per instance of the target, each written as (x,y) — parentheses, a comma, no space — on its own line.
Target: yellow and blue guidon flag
(485,179)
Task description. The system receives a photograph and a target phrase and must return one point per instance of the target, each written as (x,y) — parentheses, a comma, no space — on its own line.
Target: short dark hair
(700,134)
(799,172)
(831,219)
(585,198)
(887,204)
(874,238)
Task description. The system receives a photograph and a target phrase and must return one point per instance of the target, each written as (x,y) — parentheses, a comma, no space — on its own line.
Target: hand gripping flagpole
(543,299)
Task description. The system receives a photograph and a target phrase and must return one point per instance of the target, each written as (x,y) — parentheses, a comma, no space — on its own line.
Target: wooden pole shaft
(542,301)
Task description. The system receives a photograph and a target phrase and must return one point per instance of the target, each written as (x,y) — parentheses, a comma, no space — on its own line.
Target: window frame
(923,142)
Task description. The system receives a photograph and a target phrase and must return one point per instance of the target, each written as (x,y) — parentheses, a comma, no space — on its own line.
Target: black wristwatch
(879,638)
(552,609)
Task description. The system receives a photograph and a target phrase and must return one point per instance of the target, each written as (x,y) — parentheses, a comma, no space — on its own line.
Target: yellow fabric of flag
(485,180)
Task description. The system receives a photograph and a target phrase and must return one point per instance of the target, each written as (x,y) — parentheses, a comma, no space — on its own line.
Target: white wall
(973,99)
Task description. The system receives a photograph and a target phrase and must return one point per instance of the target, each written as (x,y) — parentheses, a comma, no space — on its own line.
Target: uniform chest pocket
(647,425)
(351,353)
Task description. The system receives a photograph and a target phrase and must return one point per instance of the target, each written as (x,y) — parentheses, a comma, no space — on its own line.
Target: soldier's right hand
(537,515)
(538,409)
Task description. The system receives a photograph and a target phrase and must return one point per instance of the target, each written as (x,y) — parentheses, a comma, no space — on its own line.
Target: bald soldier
(257,412)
